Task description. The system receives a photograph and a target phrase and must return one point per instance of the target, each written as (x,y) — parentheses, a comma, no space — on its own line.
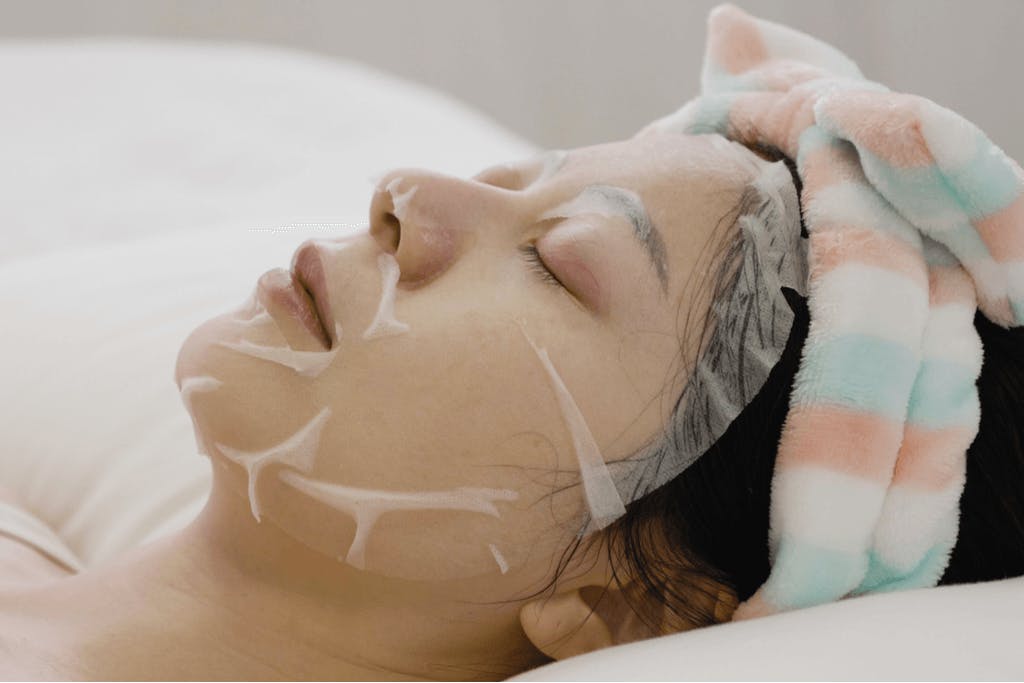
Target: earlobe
(564,625)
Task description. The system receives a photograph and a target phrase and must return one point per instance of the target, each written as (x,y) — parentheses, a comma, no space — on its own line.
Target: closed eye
(532,256)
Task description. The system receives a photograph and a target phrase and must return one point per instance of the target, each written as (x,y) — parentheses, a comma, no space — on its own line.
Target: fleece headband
(915,220)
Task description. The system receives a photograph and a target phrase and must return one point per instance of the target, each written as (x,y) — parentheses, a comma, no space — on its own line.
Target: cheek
(428,455)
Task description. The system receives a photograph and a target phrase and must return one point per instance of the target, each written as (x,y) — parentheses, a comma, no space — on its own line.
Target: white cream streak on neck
(188,387)
(366,505)
(297,451)
(601,495)
(384,323)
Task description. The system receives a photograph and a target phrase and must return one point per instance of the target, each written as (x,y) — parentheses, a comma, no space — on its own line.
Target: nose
(427,220)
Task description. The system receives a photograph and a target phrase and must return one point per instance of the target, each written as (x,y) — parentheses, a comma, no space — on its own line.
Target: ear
(580,620)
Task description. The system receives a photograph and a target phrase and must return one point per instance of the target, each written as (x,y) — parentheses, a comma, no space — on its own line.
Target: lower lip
(279,291)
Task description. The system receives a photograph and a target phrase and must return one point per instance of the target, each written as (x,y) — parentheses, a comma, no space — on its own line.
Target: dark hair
(708,527)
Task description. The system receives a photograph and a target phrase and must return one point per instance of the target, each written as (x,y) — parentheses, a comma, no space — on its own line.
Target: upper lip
(308,270)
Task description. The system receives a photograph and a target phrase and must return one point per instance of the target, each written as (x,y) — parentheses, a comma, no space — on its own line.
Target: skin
(460,400)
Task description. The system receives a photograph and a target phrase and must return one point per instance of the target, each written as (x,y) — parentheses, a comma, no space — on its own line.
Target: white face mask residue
(190,386)
(601,495)
(499,558)
(365,505)
(307,363)
(399,200)
(384,323)
(297,451)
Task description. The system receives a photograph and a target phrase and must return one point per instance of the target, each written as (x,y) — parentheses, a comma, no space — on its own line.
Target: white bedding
(140,180)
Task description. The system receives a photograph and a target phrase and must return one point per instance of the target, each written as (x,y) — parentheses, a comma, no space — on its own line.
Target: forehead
(660,158)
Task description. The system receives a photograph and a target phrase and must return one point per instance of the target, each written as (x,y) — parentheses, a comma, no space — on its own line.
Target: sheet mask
(599,489)
(384,323)
(752,322)
(365,506)
(306,363)
(298,451)
(399,200)
(499,558)
(190,386)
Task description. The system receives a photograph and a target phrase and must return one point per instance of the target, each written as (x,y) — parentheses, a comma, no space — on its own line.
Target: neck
(229,598)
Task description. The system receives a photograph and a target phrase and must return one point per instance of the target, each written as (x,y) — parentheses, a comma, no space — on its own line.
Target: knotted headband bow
(915,220)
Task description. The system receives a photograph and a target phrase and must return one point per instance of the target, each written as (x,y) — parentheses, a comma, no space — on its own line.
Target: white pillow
(111,139)
(964,632)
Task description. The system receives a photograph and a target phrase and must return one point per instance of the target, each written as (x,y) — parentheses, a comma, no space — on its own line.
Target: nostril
(390,233)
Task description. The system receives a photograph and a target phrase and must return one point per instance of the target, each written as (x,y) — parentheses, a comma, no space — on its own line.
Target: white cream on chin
(188,387)
(297,451)
(307,363)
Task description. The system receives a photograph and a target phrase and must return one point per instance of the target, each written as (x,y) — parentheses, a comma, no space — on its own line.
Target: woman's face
(425,436)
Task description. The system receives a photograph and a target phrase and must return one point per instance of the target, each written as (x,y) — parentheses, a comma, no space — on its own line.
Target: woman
(460,400)
(410,467)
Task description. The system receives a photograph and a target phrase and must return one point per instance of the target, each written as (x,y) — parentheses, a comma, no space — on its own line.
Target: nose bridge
(428,219)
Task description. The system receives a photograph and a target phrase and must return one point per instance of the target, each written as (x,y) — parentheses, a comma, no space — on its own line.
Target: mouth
(284,297)
(308,273)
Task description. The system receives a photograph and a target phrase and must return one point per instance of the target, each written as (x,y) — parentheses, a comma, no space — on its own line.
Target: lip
(283,295)
(308,271)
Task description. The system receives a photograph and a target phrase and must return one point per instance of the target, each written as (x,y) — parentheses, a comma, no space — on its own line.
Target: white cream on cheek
(499,558)
(365,506)
(599,490)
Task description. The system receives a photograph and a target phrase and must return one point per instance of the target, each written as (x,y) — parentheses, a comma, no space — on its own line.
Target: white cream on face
(384,323)
(188,387)
(306,363)
(399,200)
(601,495)
(499,558)
(297,451)
(365,506)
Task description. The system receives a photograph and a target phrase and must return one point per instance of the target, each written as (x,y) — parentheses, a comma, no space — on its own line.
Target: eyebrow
(630,205)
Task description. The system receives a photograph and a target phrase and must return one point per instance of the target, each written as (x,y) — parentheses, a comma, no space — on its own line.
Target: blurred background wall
(571,72)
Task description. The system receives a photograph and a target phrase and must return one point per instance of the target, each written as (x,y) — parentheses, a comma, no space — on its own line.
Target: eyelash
(532,256)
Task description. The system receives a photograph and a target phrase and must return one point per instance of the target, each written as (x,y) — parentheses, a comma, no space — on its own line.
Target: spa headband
(915,220)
